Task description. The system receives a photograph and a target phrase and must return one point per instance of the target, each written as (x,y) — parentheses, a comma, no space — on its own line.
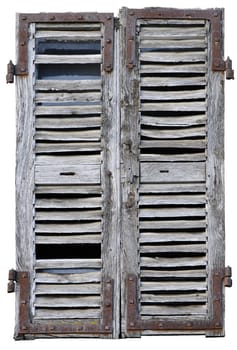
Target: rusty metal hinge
(11,71)
(229,72)
(227,278)
(12,276)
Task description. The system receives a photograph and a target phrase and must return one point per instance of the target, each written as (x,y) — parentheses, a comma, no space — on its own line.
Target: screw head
(107,328)
(24,18)
(108,41)
(131,324)
(52,18)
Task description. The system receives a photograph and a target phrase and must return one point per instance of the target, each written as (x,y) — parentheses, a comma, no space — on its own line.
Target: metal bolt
(107,328)
(161,325)
(131,324)
(24,327)
(23,68)
(131,13)
(216,14)
(108,281)
(131,279)
(131,301)
(52,18)
(23,302)
(108,41)
(24,18)
(217,324)
(23,43)
(52,328)
(108,18)
(131,38)
(80,17)
(108,303)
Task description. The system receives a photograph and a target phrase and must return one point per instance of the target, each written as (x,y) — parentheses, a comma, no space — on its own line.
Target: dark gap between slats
(68,251)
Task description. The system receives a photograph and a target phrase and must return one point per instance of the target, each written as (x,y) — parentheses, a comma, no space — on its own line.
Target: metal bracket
(135,323)
(12,276)
(28,326)
(26,19)
(229,72)
(215,16)
(10,73)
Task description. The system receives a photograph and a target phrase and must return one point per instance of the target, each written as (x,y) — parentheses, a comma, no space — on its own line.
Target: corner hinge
(229,72)
(11,71)
(227,277)
(12,276)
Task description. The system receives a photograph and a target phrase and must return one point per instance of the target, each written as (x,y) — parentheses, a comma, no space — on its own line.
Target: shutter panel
(171,285)
(69,280)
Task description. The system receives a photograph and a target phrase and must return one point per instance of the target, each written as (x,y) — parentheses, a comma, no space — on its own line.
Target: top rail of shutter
(26,19)
(215,16)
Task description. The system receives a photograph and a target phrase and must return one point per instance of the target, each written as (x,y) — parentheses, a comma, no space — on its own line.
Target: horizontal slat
(155,157)
(68,97)
(201,273)
(72,301)
(173,310)
(174,57)
(174,121)
(170,33)
(69,26)
(67,215)
(172,95)
(177,298)
(154,237)
(174,106)
(64,147)
(173,44)
(178,248)
(174,68)
(69,228)
(172,81)
(174,133)
(174,144)
(68,85)
(85,277)
(173,262)
(172,224)
(87,288)
(70,189)
(173,286)
(171,212)
(55,203)
(172,187)
(68,239)
(69,264)
(71,135)
(171,199)
(172,172)
(67,59)
(66,110)
(67,123)
(45,313)
(67,160)
(183,22)
(68,35)
(87,174)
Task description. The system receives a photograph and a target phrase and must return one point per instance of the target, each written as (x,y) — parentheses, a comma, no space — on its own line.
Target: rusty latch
(10,72)
(227,277)
(12,276)
(229,72)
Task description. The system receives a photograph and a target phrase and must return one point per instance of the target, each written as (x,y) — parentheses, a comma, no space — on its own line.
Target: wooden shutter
(63,193)
(119,174)
(172,132)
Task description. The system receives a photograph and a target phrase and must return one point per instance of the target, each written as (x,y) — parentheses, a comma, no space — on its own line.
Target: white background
(7,168)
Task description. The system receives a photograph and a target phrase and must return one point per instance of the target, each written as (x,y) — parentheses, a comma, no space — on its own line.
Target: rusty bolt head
(108,41)
(131,279)
(51,328)
(217,324)
(24,18)
(108,281)
(131,13)
(108,18)
(52,18)
(80,17)
(161,325)
(131,324)
(23,43)
(24,328)
(131,301)
(216,14)
(108,303)
(23,68)
(107,328)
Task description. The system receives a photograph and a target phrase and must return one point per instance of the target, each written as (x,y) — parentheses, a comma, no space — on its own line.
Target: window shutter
(62,195)
(173,220)
(119,174)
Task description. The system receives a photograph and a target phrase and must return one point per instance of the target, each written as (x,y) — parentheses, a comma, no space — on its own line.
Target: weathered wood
(86,288)
(171,212)
(67,123)
(85,277)
(170,33)
(174,262)
(173,286)
(174,133)
(67,189)
(68,35)
(172,199)
(68,264)
(174,121)
(173,81)
(172,188)
(69,228)
(64,314)
(69,135)
(67,160)
(64,147)
(156,157)
(177,57)
(174,68)
(68,239)
(67,59)
(168,22)
(172,172)
(179,248)
(174,275)
(68,85)
(72,301)
(173,95)
(174,106)
(65,203)
(67,174)
(172,224)
(154,237)
(68,26)
(173,44)
(174,310)
(68,110)
(67,215)
(68,97)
